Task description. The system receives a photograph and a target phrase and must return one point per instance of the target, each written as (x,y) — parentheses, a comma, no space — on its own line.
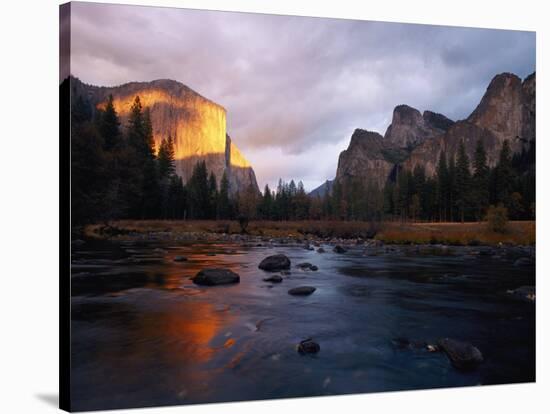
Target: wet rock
(307,266)
(302,291)
(180,259)
(308,346)
(275,263)
(273,279)
(463,355)
(432,348)
(524,261)
(214,276)
(286,272)
(320,250)
(524,293)
(339,249)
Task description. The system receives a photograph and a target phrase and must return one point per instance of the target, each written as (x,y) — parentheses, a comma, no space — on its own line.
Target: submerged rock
(302,291)
(525,293)
(275,263)
(524,261)
(339,249)
(463,355)
(273,279)
(214,276)
(308,346)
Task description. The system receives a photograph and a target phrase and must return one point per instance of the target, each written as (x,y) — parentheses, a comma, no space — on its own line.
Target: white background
(29,205)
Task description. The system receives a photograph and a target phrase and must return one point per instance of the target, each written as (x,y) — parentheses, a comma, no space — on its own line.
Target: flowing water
(143,334)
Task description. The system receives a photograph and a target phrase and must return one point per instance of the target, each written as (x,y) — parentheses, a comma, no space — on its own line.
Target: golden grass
(519,232)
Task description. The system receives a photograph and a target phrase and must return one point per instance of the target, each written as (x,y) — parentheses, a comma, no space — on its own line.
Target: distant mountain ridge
(196,124)
(507,111)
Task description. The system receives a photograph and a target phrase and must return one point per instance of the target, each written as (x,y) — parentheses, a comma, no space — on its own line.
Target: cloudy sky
(295,88)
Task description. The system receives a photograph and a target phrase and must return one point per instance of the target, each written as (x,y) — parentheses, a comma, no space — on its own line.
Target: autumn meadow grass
(478,233)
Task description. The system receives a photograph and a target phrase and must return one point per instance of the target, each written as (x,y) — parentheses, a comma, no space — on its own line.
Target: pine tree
(480,180)
(442,186)
(462,181)
(451,185)
(165,156)
(198,195)
(504,176)
(110,126)
(212,196)
(265,208)
(224,202)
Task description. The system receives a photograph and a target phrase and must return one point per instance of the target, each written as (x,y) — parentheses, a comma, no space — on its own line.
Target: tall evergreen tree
(504,176)
(166,158)
(212,196)
(198,194)
(462,181)
(443,185)
(480,181)
(224,203)
(110,126)
(266,204)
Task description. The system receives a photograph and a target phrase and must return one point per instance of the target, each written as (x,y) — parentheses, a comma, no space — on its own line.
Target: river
(143,334)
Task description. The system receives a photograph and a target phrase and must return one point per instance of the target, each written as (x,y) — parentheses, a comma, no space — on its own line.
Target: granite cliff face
(409,128)
(502,109)
(365,158)
(197,125)
(507,111)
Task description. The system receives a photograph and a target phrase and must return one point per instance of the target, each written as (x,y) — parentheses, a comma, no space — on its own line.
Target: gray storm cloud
(295,88)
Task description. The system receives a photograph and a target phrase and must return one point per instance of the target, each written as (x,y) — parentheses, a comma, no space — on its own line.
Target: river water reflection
(143,334)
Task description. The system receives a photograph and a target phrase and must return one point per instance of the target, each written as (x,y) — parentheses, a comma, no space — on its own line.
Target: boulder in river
(308,346)
(307,266)
(274,279)
(320,250)
(339,249)
(463,355)
(180,259)
(302,290)
(275,263)
(525,293)
(215,276)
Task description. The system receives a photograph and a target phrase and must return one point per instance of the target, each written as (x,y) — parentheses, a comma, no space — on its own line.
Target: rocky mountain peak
(410,128)
(437,121)
(362,138)
(500,109)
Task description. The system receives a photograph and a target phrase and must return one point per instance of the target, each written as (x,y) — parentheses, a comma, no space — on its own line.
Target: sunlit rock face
(197,125)
(240,173)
